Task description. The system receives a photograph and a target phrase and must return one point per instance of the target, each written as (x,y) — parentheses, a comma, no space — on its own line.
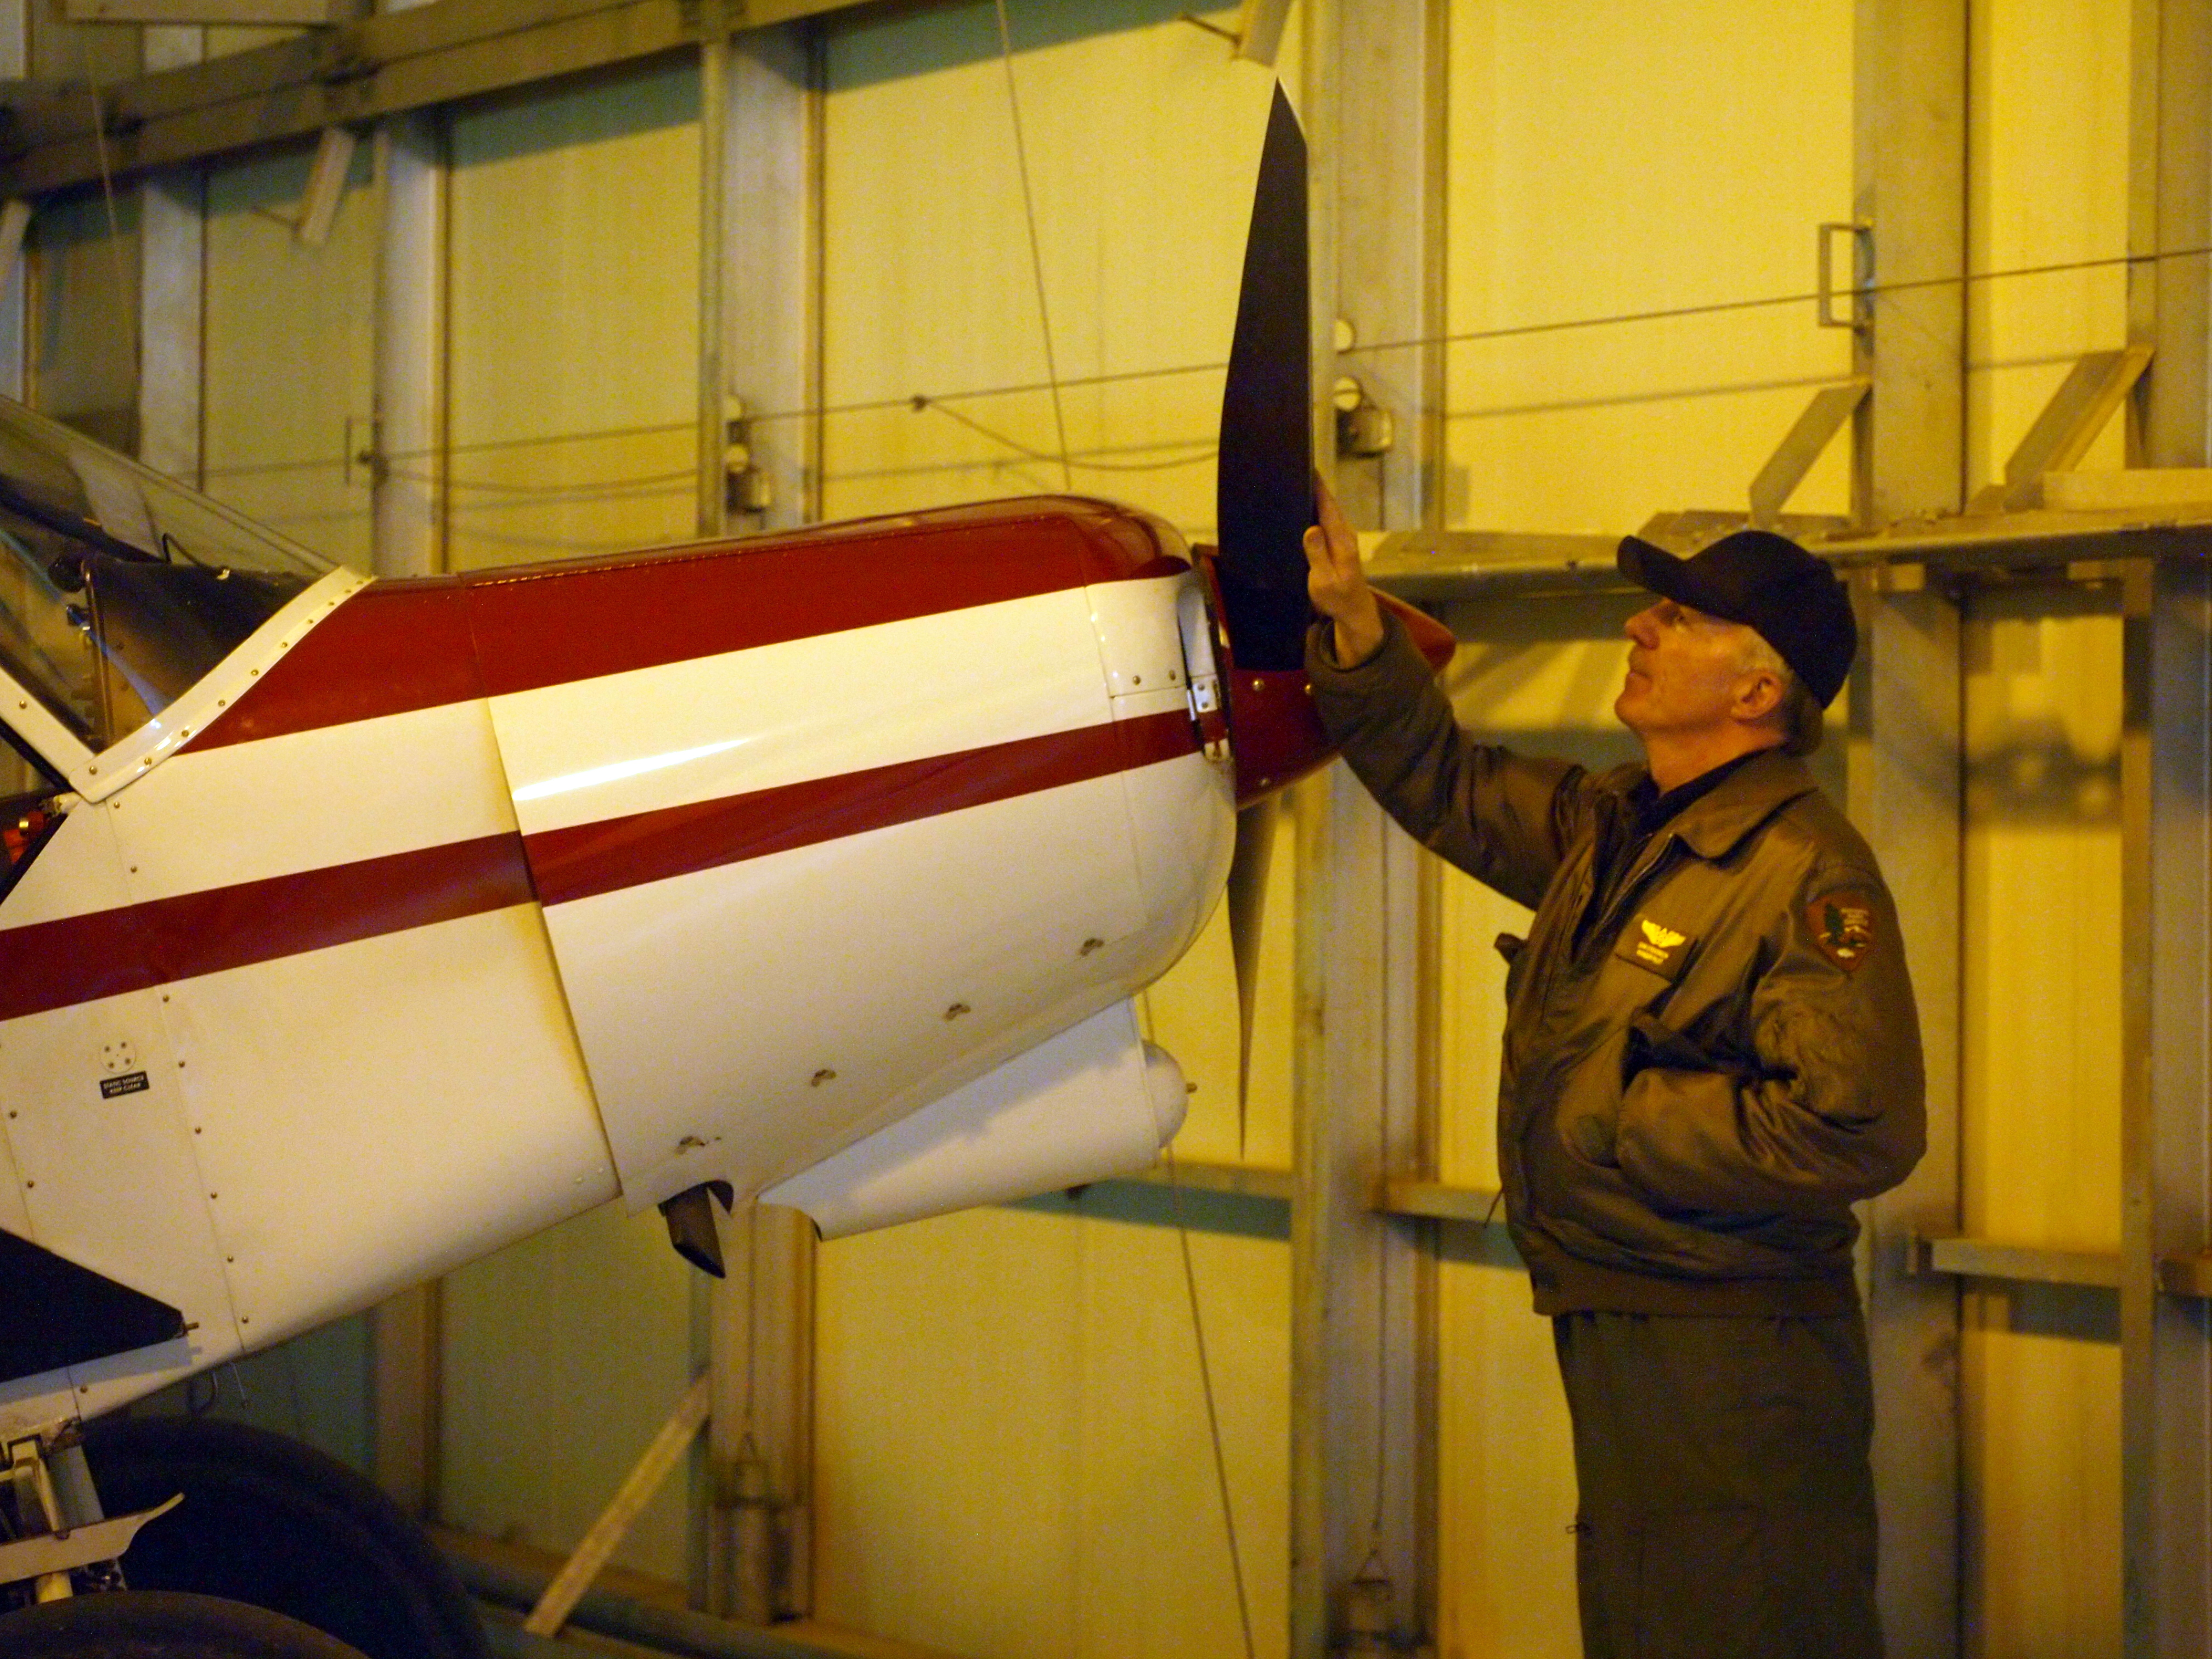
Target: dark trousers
(1727,1506)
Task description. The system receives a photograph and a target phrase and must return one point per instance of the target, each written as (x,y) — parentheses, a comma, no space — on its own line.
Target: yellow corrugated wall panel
(575,307)
(2040,1367)
(289,360)
(1141,141)
(1013,1458)
(2047,182)
(1611,159)
(2040,1373)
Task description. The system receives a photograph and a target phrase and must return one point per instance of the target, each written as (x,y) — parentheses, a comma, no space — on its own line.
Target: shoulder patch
(1843,927)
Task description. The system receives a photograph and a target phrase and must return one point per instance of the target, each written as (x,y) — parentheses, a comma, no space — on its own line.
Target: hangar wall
(1047,1450)
(1039,1480)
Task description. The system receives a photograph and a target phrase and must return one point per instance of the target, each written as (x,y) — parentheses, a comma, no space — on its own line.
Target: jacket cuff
(1396,650)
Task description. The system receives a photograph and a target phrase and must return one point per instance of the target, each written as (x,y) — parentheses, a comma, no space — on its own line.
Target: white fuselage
(387,966)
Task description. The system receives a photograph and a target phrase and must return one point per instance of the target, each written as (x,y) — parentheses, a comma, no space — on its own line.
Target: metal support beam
(2170,206)
(192,14)
(2165,1360)
(15,63)
(1911,141)
(713,444)
(1390,259)
(326,183)
(1362,1511)
(1904,795)
(1805,443)
(761,1449)
(2165,1345)
(407,538)
(173,232)
(1355,1390)
(405,1347)
(1909,454)
(407,493)
(605,1535)
(2093,388)
(772,256)
(172,304)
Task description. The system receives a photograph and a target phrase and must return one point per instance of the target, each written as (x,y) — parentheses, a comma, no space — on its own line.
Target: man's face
(1683,671)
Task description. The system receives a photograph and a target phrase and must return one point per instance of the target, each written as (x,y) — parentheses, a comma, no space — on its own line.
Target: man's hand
(1338,586)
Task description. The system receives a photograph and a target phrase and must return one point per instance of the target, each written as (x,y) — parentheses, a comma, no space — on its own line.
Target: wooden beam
(621,1511)
(403,1389)
(253,12)
(381,65)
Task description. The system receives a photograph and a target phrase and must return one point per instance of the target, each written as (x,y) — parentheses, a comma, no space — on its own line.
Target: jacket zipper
(1631,885)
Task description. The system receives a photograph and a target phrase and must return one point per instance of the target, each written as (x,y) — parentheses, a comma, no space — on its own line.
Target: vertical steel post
(1910,125)
(172,283)
(407,537)
(705,1533)
(1390,265)
(714,149)
(14,65)
(1905,754)
(172,234)
(773,361)
(407,489)
(1905,736)
(2166,1346)
(1363,1515)
(2169,209)
(405,1345)
(2165,1359)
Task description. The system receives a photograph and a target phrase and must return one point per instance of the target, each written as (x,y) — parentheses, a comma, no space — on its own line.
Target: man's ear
(1758,696)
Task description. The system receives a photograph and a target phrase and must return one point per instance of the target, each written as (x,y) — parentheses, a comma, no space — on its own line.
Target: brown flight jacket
(1691,1098)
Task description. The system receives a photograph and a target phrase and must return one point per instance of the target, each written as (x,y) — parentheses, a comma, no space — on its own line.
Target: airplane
(358,927)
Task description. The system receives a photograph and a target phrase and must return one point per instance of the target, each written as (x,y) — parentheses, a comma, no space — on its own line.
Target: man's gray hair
(1799,715)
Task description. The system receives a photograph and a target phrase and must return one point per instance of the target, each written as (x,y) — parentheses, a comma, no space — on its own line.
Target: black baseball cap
(1771,585)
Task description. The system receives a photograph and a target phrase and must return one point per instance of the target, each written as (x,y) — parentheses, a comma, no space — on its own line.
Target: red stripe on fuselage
(396,647)
(53,964)
(591,859)
(391,648)
(579,621)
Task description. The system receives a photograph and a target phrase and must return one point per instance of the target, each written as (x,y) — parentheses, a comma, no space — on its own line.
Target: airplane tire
(276,1524)
(161,1624)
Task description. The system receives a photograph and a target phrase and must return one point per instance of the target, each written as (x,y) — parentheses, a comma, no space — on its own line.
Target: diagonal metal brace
(2070,422)
(79,1547)
(1824,416)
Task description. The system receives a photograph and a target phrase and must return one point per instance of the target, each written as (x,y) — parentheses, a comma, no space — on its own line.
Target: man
(1711,1051)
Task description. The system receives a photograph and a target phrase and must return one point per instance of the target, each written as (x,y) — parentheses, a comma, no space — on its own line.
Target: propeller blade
(1247,903)
(1264,496)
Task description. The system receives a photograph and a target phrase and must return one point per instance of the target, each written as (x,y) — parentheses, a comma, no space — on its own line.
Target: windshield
(119,588)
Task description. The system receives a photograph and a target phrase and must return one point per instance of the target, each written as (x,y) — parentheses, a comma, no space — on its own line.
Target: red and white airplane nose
(903,801)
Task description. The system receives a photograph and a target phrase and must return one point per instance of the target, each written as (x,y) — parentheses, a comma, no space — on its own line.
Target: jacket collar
(1715,824)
